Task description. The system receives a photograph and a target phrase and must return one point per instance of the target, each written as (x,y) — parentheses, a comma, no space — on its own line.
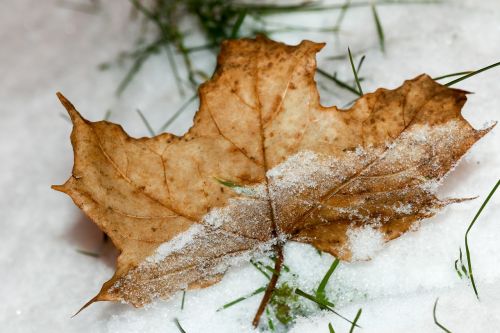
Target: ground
(50,46)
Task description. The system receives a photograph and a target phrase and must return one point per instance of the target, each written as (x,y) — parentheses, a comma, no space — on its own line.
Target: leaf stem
(278,249)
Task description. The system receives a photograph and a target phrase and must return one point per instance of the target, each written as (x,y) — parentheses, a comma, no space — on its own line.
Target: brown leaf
(310,173)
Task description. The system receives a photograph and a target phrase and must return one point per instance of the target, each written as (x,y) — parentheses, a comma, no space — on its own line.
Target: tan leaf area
(310,173)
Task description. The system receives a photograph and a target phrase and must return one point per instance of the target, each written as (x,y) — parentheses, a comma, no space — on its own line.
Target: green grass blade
(226,183)
(313,7)
(140,57)
(380,29)
(130,74)
(270,322)
(451,75)
(462,266)
(107,115)
(360,63)
(338,82)
(360,91)
(235,187)
(173,67)
(320,292)
(240,299)
(176,321)
(270,269)
(358,314)
(457,270)
(326,305)
(435,318)
(260,269)
(467,250)
(238,23)
(343,11)
(176,114)
(146,122)
(183,299)
(330,328)
(283,266)
(449,84)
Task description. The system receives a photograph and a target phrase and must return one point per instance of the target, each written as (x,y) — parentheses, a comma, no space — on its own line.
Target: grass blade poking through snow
(380,30)
(183,299)
(176,321)
(358,314)
(360,63)
(435,318)
(451,75)
(238,23)
(320,292)
(330,328)
(360,91)
(472,74)
(327,305)
(146,123)
(469,272)
(255,292)
(338,82)
(270,322)
(256,265)
(176,114)
(462,271)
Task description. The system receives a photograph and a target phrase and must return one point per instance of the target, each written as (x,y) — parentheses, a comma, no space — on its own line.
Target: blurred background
(138,63)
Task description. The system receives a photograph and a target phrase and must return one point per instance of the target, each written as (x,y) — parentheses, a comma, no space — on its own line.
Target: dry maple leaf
(309,173)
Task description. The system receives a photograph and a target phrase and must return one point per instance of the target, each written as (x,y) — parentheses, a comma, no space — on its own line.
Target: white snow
(47,47)
(365,242)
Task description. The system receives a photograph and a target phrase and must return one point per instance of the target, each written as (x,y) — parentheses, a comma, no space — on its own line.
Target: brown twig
(278,249)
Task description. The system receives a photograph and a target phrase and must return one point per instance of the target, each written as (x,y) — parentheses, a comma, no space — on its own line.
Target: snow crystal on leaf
(175,244)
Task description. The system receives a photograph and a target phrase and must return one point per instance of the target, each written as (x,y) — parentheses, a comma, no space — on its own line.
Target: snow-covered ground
(46,47)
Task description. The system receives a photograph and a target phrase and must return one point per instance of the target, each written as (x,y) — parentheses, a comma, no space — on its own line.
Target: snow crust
(47,47)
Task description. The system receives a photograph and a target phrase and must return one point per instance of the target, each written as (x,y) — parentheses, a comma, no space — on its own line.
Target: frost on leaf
(316,173)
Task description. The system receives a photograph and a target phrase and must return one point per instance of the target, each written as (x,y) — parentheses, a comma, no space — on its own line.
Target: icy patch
(364,242)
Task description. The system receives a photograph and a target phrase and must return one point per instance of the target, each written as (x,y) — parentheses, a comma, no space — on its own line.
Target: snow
(175,244)
(47,47)
(365,242)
